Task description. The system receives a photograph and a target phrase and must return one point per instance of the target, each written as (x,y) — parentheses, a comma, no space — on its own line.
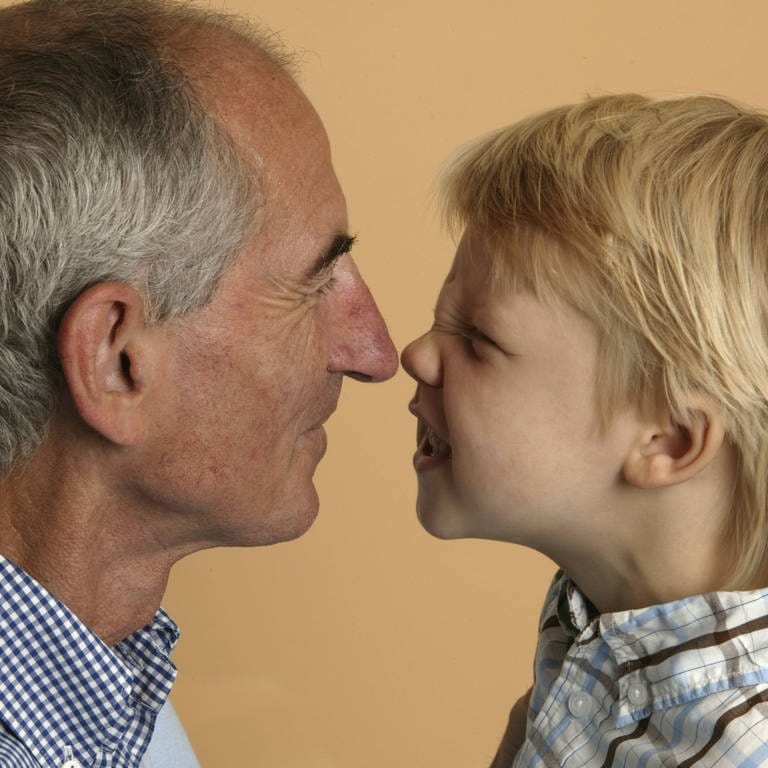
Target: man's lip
(318,425)
(328,412)
(331,404)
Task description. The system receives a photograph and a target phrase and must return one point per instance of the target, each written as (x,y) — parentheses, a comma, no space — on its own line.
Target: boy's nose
(421,359)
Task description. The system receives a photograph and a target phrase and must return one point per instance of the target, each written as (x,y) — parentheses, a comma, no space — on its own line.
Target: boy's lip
(423,424)
(432,446)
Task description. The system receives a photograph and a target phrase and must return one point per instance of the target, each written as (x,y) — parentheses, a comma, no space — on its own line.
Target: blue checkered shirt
(65,697)
(680,684)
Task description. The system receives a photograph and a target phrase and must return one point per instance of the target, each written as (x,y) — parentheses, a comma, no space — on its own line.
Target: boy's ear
(104,352)
(667,453)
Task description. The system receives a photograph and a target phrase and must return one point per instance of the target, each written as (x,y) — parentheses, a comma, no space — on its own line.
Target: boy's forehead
(493,262)
(473,261)
(527,258)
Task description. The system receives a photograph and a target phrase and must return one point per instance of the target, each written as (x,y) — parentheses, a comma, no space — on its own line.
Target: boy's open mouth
(431,444)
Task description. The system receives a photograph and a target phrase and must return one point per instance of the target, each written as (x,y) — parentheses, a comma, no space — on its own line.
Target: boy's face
(509,445)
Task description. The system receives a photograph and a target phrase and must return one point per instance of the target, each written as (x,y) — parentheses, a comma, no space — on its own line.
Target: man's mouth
(326,414)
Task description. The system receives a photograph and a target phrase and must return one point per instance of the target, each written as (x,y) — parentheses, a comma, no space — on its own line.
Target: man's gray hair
(110,169)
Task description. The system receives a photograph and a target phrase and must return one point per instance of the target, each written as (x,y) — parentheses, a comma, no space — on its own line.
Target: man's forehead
(231,72)
(261,108)
(278,133)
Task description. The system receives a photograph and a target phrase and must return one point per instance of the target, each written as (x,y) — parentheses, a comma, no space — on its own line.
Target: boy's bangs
(527,258)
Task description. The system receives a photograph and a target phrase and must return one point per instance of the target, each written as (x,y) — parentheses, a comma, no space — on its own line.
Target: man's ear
(667,452)
(102,344)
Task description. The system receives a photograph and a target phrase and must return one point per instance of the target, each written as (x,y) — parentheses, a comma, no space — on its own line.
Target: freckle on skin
(219,471)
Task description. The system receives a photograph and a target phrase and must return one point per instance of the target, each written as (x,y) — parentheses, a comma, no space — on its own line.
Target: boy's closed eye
(476,339)
(476,335)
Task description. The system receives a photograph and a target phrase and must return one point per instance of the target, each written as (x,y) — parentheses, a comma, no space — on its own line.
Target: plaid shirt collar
(63,689)
(677,651)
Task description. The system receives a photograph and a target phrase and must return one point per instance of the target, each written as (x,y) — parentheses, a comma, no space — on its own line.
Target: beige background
(367,643)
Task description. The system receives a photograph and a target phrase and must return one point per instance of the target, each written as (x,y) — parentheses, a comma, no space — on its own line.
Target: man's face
(257,372)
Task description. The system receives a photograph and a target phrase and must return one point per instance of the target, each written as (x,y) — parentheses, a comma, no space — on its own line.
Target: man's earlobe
(670,453)
(102,350)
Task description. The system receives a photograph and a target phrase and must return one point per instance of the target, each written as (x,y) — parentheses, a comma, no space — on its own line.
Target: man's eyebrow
(341,244)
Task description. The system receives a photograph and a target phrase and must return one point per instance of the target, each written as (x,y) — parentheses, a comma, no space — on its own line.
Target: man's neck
(77,537)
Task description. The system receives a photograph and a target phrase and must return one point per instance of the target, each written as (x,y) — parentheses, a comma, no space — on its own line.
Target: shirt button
(72,764)
(637,694)
(580,705)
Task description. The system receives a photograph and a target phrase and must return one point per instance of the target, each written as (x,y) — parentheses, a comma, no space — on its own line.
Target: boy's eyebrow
(341,244)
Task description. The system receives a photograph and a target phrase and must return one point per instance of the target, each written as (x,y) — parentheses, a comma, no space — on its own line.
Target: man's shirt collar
(62,686)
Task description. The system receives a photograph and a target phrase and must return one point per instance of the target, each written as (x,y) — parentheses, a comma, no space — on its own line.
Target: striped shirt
(66,699)
(680,684)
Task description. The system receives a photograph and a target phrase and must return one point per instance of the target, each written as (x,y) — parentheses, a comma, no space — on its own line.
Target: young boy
(595,386)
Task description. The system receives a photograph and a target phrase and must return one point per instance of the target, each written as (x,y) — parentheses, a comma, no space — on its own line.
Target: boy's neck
(629,584)
(665,544)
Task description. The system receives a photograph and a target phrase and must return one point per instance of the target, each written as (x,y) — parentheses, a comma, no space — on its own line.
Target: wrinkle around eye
(449,322)
(465,334)
(288,303)
(300,292)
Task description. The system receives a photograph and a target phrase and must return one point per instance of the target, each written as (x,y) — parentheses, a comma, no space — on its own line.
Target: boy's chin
(444,521)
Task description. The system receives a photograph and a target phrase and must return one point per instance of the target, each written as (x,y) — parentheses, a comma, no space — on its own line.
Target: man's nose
(362,347)
(421,359)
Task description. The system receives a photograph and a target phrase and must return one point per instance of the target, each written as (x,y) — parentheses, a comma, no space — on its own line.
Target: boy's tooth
(433,444)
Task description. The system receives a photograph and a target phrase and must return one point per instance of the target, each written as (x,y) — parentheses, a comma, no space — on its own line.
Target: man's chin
(262,527)
(301,523)
(291,521)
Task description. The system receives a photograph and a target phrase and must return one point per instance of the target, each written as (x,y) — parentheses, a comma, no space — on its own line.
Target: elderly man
(178,307)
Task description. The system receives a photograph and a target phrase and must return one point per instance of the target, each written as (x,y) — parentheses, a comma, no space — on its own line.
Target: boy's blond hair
(651,217)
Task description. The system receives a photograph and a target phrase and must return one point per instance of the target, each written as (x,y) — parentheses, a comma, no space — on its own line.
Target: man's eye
(328,285)
(324,286)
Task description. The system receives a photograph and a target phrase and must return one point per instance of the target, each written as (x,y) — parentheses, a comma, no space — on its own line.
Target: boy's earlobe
(670,453)
(102,351)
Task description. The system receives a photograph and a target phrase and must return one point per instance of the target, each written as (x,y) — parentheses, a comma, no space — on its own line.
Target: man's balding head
(112,167)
